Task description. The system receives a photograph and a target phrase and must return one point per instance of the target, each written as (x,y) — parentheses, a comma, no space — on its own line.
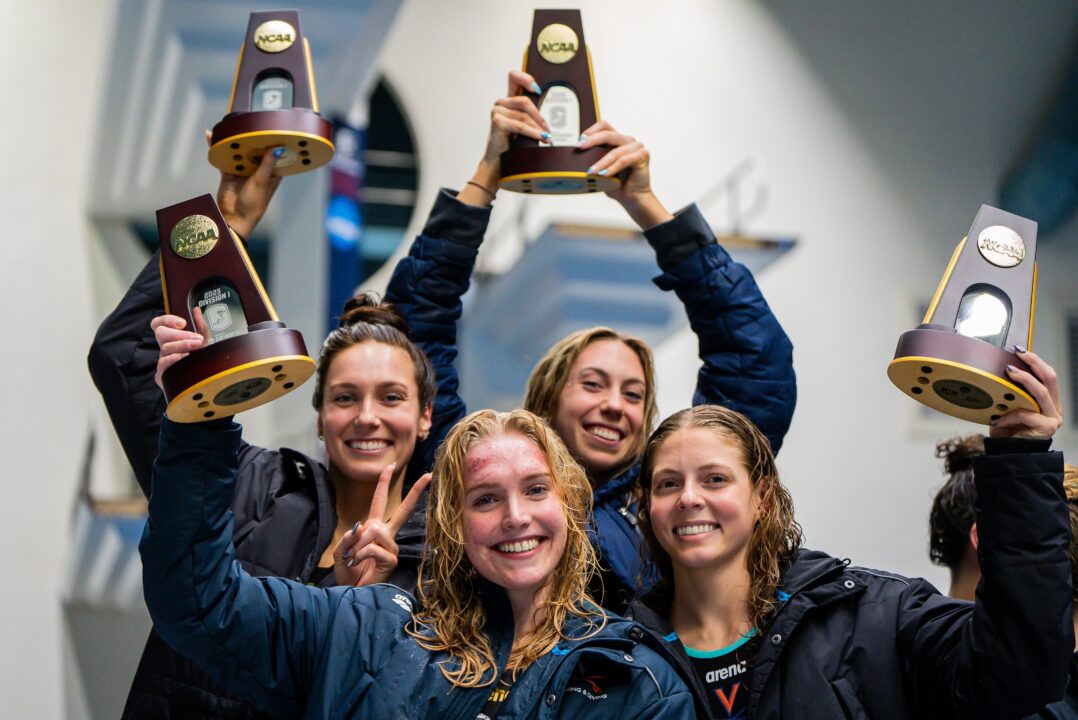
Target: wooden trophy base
(239,141)
(960,376)
(554,171)
(236,374)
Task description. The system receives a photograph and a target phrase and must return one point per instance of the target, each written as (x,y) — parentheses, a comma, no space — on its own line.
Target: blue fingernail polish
(536,89)
(278,152)
(1019,349)
(346,555)
(352,562)
(355,527)
(604,171)
(1012,368)
(591,171)
(545,136)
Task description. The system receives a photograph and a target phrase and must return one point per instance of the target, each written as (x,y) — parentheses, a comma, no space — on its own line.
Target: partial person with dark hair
(952,525)
(293,516)
(501,626)
(762,627)
(954,543)
(597,387)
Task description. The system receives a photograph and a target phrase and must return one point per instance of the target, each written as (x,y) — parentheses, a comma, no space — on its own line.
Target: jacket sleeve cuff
(222,433)
(1015,446)
(458,222)
(678,238)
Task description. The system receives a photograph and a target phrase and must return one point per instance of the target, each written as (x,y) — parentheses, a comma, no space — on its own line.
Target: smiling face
(370,414)
(600,410)
(513,523)
(703,505)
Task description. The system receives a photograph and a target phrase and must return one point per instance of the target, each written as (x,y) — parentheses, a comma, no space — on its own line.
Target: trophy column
(560,62)
(956,360)
(251,358)
(274,102)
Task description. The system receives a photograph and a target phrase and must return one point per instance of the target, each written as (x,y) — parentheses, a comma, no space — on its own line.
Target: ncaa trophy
(251,357)
(560,62)
(956,360)
(274,102)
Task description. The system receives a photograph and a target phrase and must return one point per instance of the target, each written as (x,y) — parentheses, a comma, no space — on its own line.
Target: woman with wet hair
(501,624)
(597,387)
(762,627)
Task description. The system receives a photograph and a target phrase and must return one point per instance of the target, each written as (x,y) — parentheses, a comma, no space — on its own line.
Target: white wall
(53,55)
(883,127)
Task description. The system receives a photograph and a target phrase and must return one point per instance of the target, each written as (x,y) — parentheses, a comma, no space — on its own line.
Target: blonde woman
(501,624)
(762,627)
(596,387)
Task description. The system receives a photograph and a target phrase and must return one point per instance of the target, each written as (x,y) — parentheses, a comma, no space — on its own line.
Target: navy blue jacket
(849,642)
(747,358)
(344,652)
(284,509)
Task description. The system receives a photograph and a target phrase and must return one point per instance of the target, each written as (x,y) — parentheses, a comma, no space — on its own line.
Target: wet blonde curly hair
(450,616)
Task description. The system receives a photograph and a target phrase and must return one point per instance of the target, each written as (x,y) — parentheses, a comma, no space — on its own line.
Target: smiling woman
(502,624)
(757,623)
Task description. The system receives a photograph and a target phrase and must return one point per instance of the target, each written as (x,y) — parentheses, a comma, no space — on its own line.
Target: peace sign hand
(367,553)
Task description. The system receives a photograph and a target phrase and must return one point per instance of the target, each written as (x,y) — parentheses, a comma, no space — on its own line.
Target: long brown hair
(550,374)
(776,535)
(451,617)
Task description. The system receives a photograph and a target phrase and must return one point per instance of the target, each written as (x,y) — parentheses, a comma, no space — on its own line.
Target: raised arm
(259,637)
(747,357)
(124,353)
(428,283)
(1010,654)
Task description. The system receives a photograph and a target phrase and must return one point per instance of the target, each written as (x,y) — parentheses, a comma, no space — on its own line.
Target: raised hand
(628,153)
(175,342)
(514,114)
(367,553)
(244,200)
(1043,384)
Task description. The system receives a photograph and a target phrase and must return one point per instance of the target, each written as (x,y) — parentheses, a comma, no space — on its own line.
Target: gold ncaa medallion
(273,36)
(557,43)
(1001,246)
(194,236)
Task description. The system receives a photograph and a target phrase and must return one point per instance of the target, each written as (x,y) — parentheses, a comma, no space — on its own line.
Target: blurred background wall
(879,128)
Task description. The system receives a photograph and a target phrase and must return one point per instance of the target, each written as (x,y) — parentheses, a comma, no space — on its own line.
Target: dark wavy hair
(366,317)
(776,535)
(952,512)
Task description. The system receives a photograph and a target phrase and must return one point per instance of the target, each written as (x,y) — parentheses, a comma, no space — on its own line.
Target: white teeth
(519,547)
(368,444)
(695,529)
(605,433)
